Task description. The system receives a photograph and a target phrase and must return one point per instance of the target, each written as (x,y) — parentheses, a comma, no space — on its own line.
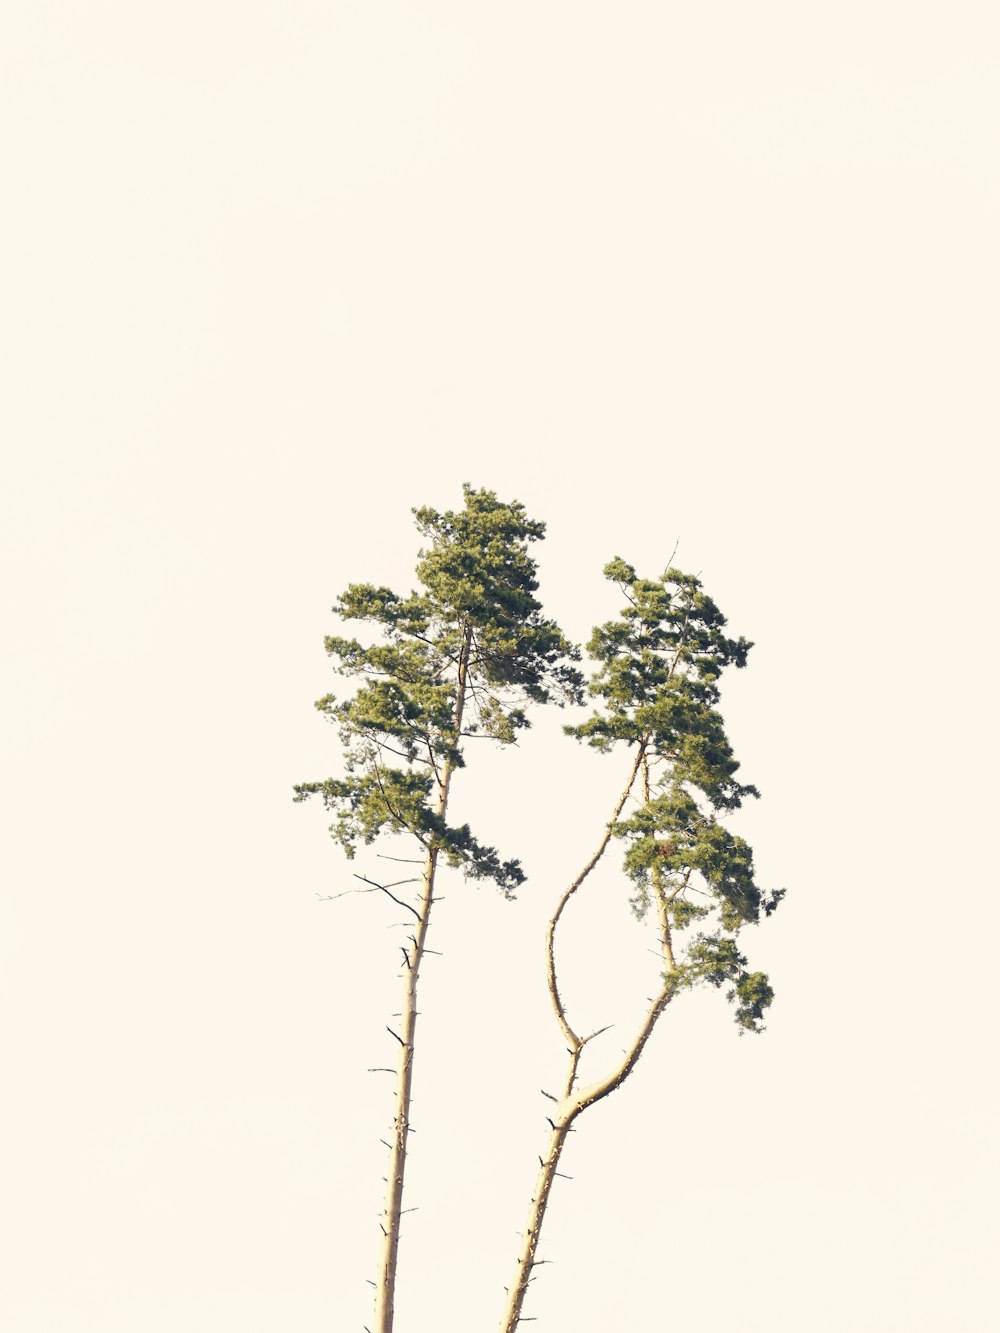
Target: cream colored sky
(718,274)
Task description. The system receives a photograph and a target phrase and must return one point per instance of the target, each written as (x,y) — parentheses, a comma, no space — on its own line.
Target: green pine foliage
(464,655)
(656,687)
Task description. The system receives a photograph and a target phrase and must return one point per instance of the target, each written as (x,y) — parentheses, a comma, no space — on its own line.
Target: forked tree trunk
(567,1109)
(574,1101)
(385,1289)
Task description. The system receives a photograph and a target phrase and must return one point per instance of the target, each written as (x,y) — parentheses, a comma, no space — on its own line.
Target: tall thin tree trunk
(385,1290)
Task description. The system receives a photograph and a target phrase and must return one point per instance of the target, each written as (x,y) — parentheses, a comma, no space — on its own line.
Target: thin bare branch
(345,893)
(385,889)
(607,1027)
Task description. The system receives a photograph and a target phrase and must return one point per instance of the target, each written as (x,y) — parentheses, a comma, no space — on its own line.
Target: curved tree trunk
(574,1101)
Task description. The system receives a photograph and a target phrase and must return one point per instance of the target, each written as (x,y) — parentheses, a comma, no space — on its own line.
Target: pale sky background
(722,274)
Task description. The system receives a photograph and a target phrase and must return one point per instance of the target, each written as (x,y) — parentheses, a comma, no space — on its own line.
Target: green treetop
(462,656)
(659,664)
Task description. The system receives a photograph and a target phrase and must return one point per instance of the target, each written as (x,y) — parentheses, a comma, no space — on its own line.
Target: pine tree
(464,655)
(656,692)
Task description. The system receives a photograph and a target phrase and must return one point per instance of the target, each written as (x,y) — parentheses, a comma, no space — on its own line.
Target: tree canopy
(464,655)
(656,686)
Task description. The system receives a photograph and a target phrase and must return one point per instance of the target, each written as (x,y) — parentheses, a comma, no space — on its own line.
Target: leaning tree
(656,692)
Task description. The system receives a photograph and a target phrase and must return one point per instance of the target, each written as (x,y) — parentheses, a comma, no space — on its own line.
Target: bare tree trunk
(573,1101)
(385,1289)
(527,1259)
